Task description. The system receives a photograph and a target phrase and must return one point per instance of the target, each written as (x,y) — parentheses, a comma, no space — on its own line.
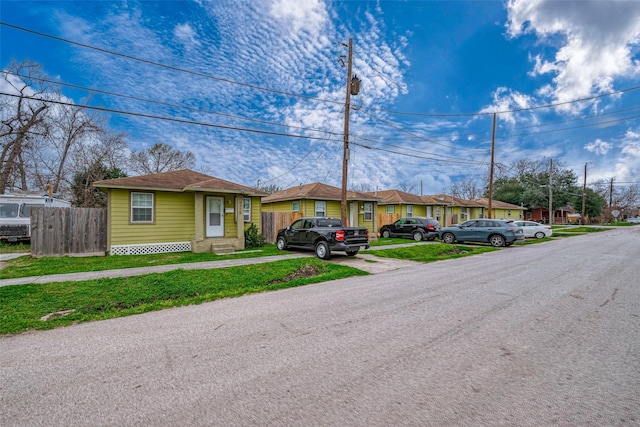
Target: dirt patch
(307,271)
(456,251)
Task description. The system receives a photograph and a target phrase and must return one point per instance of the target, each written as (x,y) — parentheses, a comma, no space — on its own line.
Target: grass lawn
(23,306)
(432,252)
(27,266)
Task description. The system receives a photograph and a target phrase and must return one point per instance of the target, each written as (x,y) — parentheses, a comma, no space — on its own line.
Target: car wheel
(496,241)
(386,234)
(322,250)
(539,235)
(448,238)
(281,243)
(417,236)
(351,253)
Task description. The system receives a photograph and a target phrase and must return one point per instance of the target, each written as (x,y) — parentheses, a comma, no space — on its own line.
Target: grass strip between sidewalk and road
(431,252)
(23,306)
(28,266)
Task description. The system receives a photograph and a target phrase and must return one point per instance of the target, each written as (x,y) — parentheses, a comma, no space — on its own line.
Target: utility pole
(611,194)
(584,196)
(493,145)
(353,86)
(550,191)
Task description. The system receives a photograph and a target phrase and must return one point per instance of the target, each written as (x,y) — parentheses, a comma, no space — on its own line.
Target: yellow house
(501,210)
(178,211)
(318,199)
(453,210)
(396,204)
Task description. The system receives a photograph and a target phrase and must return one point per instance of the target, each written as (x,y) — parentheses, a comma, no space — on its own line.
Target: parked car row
(324,235)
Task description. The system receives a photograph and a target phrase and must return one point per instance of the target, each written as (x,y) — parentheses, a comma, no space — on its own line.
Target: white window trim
(153,202)
(368,211)
(295,206)
(322,212)
(392,209)
(409,211)
(246,213)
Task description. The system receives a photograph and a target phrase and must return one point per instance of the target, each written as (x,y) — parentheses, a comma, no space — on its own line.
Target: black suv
(416,228)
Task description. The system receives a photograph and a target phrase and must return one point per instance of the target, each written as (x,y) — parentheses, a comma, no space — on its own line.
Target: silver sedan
(534,229)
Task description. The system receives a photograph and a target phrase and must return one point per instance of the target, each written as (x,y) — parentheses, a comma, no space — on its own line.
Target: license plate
(355,233)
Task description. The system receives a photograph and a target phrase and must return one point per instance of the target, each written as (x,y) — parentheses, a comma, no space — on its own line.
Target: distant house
(399,203)
(178,211)
(453,210)
(318,199)
(502,210)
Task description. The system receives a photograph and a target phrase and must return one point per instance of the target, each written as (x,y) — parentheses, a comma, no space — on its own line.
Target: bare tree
(160,158)
(467,189)
(100,158)
(362,187)
(407,188)
(23,120)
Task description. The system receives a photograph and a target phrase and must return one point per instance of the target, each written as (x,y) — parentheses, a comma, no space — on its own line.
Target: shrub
(252,238)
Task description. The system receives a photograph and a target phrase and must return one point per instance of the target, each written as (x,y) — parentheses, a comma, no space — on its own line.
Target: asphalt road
(539,335)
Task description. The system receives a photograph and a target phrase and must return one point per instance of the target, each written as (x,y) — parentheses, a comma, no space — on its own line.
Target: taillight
(367,234)
(340,235)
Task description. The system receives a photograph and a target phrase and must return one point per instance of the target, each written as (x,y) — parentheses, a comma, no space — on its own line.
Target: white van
(15,222)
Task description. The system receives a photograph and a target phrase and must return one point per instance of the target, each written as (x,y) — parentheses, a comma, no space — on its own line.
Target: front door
(215,216)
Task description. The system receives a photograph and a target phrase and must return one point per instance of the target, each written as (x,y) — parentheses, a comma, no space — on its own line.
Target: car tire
(322,250)
(539,235)
(351,253)
(386,234)
(281,243)
(448,238)
(417,236)
(497,241)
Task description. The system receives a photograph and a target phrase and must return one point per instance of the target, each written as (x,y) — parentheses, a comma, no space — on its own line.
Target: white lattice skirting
(150,248)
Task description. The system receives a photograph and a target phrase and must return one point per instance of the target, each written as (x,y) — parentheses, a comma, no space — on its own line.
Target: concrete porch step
(222,248)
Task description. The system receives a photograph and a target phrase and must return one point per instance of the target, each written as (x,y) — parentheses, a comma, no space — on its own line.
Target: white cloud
(598,147)
(309,16)
(597,42)
(628,165)
(186,34)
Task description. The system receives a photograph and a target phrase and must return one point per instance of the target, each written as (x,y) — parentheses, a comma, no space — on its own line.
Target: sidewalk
(366,262)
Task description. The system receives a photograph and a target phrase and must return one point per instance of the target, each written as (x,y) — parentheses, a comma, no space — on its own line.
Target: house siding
(173,219)
(256,214)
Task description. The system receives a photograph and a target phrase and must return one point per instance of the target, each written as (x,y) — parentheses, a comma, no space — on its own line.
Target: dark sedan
(497,232)
(416,228)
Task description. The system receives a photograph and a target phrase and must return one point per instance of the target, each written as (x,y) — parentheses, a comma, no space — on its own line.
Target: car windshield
(8,210)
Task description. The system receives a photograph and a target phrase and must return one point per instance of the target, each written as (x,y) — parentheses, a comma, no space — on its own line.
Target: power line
(289,94)
(168,67)
(170,119)
(166,104)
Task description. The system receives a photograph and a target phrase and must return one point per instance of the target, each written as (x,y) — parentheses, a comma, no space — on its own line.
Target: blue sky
(433,73)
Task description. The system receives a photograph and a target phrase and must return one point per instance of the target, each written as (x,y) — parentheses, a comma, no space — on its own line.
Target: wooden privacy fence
(274,221)
(68,231)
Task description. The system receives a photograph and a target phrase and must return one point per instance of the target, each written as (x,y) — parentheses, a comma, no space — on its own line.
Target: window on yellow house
(409,210)
(389,209)
(295,206)
(142,207)
(246,209)
(321,208)
(368,211)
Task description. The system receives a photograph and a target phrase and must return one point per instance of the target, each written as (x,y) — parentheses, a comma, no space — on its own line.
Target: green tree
(85,195)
